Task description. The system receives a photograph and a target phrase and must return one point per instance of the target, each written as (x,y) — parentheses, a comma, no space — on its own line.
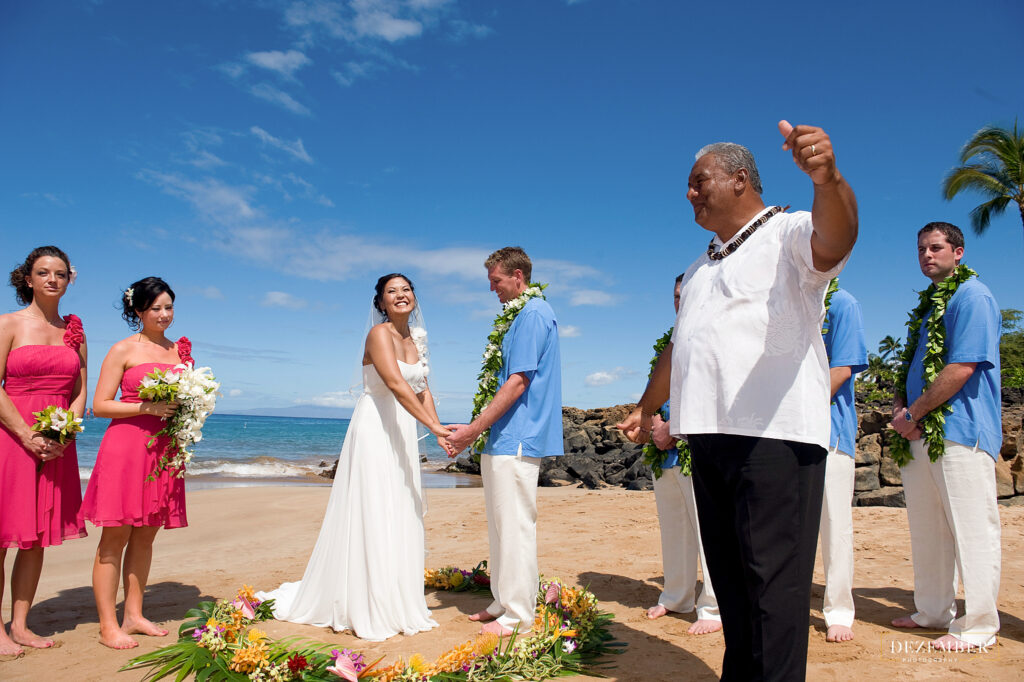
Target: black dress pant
(759,504)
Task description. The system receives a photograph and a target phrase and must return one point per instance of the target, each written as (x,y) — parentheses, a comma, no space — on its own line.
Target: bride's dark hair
(378,298)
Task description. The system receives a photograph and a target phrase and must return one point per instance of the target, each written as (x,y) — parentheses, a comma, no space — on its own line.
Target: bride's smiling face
(397,297)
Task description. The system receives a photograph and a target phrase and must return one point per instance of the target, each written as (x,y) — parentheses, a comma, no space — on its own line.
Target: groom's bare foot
(482,617)
(839,633)
(8,647)
(143,626)
(705,626)
(496,628)
(656,612)
(904,622)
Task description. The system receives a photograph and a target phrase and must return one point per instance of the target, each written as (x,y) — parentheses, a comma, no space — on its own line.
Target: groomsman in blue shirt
(951,502)
(843,333)
(525,419)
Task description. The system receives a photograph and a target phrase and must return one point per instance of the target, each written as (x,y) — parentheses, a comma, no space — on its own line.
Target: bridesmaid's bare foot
(705,626)
(142,626)
(117,639)
(656,612)
(496,629)
(904,622)
(482,617)
(8,647)
(30,639)
(841,633)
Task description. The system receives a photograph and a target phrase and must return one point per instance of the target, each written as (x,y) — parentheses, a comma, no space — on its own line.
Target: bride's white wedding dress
(366,570)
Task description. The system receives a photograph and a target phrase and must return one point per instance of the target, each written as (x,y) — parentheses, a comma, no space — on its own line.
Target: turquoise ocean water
(247,450)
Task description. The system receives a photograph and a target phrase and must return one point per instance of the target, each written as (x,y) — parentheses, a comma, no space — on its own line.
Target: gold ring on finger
(813,153)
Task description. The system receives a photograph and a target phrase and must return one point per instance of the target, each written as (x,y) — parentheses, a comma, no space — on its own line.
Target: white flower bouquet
(57,423)
(195,391)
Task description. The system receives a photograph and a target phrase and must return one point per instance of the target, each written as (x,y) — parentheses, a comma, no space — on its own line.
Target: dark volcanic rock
(890,496)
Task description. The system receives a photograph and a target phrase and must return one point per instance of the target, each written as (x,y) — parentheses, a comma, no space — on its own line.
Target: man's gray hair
(732,157)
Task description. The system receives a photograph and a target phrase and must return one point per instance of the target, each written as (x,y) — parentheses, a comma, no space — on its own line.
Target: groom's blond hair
(511,258)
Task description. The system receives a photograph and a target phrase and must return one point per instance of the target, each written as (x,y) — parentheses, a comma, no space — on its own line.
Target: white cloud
(461,30)
(232,70)
(350,72)
(210,292)
(279,299)
(205,160)
(378,24)
(214,200)
(308,190)
(235,392)
(279,97)
(284,63)
(591,297)
(568,331)
(296,149)
(605,377)
(333,399)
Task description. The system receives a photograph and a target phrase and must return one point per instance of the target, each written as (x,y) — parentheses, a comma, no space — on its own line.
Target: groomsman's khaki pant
(681,548)
(954,528)
(837,538)
(510,497)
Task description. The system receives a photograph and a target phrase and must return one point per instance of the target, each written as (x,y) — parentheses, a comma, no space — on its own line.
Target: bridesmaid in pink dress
(42,362)
(120,498)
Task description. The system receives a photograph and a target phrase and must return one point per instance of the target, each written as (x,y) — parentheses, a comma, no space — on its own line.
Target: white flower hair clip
(128,293)
(72,275)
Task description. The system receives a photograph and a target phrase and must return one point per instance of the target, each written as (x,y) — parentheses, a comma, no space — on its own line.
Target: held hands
(812,151)
(636,427)
(164,410)
(660,435)
(442,434)
(462,437)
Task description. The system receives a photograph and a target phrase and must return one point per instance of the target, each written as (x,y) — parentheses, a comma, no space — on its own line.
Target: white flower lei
(492,359)
(419,339)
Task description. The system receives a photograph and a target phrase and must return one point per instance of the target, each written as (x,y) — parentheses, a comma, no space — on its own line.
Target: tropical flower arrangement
(492,359)
(655,457)
(195,391)
(419,339)
(569,636)
(57,423)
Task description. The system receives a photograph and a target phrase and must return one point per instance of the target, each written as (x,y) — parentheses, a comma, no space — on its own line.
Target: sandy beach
(606,539)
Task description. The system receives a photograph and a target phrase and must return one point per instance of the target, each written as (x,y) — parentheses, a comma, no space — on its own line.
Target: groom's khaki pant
(510,497)
(954,528)
(837,538)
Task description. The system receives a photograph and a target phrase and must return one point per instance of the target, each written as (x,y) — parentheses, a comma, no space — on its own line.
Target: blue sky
(271,159)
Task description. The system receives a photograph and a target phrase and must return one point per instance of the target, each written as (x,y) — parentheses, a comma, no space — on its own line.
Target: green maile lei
(933,425)
(654,457)
(492,361)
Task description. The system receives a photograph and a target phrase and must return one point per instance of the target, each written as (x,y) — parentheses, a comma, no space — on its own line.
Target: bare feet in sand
(117,639)
(482,617)
(904,622)
(495,628)
(656,612)
(143,626)
(841,633)
(30,639)
(8,647)
(704,626)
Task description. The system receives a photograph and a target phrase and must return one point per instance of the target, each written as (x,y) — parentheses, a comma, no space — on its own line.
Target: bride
(366,570)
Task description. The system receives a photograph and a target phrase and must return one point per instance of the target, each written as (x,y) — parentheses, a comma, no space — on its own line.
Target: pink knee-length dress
(39,501)
(120,492)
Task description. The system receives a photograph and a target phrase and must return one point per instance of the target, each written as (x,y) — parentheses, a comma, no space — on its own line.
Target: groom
(525,419)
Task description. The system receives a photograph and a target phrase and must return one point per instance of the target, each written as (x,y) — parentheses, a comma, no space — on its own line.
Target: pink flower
(551,595)
(185,350)
(344,667)
(73,333)
(245,607)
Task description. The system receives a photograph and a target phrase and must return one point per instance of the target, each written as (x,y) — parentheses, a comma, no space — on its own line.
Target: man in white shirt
(748,379)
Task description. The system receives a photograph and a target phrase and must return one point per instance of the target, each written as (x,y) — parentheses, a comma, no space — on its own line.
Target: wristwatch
(909,417)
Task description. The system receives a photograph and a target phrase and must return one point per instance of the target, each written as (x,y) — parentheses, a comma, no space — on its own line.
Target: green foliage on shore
(1011,349)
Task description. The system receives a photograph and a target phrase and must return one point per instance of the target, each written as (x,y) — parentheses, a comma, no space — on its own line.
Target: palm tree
(996,172)
(890,348)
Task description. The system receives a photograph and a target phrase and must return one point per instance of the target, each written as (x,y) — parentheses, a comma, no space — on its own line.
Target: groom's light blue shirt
(534,421)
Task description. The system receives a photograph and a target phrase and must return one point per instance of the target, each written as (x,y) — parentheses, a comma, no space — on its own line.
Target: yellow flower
(212,623)
(256,635)
(246,660)
(485,644)
(247,593)
(419,664)
(457,579)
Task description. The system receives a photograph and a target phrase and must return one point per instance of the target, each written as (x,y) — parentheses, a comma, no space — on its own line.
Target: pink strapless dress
(119,492)
(39,501)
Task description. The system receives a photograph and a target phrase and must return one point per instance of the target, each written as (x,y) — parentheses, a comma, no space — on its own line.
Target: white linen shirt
(748,358)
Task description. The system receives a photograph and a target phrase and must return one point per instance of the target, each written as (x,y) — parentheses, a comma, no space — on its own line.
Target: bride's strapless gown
(366,570)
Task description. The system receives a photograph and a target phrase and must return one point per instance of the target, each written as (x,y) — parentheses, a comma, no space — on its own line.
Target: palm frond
(981,215)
